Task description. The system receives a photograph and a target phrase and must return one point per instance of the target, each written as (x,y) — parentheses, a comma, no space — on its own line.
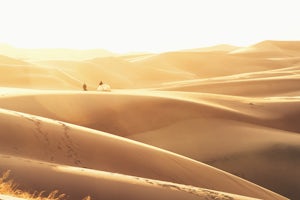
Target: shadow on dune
(274,167)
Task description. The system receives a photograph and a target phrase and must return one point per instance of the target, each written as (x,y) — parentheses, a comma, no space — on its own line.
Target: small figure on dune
(84,87)
(103,87)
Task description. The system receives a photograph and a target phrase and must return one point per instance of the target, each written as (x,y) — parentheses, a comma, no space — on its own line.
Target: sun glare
(144,25)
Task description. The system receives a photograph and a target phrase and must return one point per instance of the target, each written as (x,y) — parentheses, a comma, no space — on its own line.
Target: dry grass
(10,188)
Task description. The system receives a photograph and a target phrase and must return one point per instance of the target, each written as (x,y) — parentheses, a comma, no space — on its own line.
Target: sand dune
(254,149)
(232,108)
(218,48)
(52,54)
(107,111)
(278,82)
(16,73)
(263,87)
(78,182)
(271,49)
(148,70)
(258,125)
(120,72)
(57,142)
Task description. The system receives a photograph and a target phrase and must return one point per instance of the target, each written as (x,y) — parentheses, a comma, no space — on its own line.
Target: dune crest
(213,123)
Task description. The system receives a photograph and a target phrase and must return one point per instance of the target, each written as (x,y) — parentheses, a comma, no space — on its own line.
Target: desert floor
(212,123)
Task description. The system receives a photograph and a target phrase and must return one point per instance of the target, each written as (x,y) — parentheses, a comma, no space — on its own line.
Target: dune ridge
(124,72)
(87,108)
(63,147)
(263,122)
(220,122)
(109,185)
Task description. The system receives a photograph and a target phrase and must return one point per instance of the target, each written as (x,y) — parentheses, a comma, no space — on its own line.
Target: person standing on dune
(84,87)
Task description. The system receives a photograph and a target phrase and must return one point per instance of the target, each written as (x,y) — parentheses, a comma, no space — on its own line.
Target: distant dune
(221,47)
(271,49)
(170,127)
(52,54)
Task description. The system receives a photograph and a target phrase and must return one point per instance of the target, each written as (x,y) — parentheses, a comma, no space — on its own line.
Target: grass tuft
(10,188)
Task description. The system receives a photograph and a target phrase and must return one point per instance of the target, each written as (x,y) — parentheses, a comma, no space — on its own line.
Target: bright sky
(146,25)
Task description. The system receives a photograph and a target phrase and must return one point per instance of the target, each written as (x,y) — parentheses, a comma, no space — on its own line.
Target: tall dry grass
(10,188)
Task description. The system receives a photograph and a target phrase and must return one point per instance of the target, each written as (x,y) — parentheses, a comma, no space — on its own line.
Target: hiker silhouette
(84,87)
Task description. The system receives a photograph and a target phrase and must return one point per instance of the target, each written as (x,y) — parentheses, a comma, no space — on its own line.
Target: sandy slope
(78,182)
(216,129)
(270,48)
(148,70)
(285,85)
(107,111)
(233,108)
(50,54)
(16,73)
(58,142)
(272,82)
(218,48)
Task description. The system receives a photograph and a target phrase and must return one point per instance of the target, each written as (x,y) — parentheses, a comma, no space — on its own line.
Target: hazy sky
(146,25)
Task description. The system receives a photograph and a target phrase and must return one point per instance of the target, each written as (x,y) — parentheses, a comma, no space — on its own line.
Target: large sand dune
(236,109)
(78,182)
(61,143)
(257,125)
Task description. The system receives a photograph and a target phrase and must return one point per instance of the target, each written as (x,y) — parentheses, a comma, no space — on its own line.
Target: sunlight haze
(149,99)
(144,25)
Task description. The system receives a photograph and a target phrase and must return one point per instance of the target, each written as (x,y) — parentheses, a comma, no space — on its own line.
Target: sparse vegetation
(10,188)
